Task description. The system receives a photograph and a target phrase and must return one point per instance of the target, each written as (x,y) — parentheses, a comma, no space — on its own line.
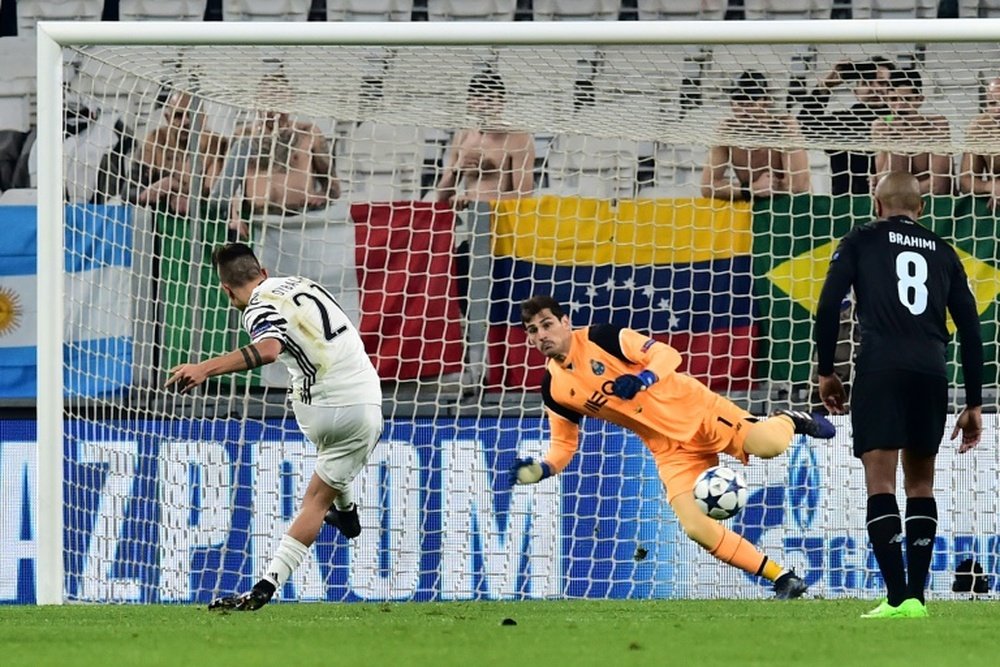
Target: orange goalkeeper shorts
(723,430)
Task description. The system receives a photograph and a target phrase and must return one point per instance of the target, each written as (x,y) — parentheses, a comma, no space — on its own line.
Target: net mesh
(694,193)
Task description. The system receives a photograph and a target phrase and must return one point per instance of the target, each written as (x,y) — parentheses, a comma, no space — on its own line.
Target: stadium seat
(161,10)
(266,10)
(679,167)
(30,12)
(576,10)
(381,162)
(595,167)
(787,9)
(19,197)
(15,110)
(369,10)
(435,146)
(895,9)
(819,172)
(684,10)
(17,82)
(979,9)
(83,152)
(471,10)
(669,192)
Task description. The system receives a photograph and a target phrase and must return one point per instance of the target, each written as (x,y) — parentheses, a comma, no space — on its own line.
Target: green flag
(794,238)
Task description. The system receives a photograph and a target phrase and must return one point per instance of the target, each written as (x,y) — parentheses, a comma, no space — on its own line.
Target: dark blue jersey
(905,279)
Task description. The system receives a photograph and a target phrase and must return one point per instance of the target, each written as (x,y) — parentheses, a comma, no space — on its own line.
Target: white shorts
(343,436)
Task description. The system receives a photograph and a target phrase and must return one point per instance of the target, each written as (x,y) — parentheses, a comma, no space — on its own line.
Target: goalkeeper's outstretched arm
(562,447)
(188,376)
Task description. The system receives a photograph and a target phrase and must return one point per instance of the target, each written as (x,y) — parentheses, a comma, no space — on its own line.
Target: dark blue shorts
(898,410)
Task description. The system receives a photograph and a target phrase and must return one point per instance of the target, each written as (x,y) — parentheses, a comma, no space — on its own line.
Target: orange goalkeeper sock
(738,552)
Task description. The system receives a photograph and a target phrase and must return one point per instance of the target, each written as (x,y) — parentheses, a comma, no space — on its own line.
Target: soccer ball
(720,492)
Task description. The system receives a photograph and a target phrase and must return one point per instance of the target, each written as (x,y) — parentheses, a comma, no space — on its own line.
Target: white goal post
(810,485)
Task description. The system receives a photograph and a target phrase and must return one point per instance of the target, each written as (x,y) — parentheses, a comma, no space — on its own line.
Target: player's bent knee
(766,442)
(769,451)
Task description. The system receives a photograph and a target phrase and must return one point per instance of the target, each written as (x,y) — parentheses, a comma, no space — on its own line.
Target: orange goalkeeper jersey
(668,414)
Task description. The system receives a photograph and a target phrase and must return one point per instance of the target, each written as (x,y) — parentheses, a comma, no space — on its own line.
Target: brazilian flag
(794,239)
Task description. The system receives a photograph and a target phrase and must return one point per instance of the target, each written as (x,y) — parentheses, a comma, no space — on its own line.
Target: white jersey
(320,346)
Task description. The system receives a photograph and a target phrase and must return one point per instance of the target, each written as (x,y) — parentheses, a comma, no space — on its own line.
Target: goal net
(692,191)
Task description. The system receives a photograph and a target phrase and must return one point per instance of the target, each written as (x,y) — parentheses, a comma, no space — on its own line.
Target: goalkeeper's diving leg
(732,548)
(765,439)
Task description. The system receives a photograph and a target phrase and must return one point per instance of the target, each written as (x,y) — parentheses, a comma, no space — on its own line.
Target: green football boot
(912,608)
(883,610)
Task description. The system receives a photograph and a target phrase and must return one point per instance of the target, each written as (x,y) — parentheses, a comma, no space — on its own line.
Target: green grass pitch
(549,634)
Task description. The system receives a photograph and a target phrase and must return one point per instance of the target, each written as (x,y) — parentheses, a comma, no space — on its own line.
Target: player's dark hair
(487,83)
(907,78)
(536,304)
(236,264)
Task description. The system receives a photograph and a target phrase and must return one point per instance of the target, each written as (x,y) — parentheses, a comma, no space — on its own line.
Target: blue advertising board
(183,510)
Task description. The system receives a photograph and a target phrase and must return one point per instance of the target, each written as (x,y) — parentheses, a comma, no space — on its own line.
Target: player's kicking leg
(291,551)
(344,437)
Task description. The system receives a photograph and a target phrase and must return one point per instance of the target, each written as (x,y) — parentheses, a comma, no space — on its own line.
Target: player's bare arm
(715,181)
(799,180)
(522,165)
(448,184)
(793,177)
(940,164)
(976,173)
(880,131)
(323,163)
(188,376)
(973,178)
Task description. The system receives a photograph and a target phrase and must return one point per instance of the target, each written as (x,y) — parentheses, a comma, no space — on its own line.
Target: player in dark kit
(904,277)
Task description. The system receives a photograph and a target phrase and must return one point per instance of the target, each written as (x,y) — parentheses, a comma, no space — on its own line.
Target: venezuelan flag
(679,270)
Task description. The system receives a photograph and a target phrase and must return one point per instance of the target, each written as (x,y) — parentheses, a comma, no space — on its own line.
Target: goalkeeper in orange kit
(629,379)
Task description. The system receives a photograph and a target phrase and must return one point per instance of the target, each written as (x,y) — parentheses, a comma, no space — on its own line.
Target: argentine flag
(97,350)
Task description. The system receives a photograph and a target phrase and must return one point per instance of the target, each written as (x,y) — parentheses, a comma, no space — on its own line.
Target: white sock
(289,556)
(344,501)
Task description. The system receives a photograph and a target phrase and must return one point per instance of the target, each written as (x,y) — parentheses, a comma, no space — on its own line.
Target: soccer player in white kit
(335,391)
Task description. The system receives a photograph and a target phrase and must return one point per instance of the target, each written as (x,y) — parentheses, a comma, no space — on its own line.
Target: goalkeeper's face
(549,334)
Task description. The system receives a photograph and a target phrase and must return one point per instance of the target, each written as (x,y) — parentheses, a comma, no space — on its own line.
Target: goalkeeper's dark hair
(536,304)
(236,264)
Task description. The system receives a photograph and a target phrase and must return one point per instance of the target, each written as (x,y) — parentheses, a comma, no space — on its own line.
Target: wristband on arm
(648,378)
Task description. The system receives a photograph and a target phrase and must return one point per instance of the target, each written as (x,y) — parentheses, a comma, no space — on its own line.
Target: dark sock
(265,586)
(885,531)
(921,528)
